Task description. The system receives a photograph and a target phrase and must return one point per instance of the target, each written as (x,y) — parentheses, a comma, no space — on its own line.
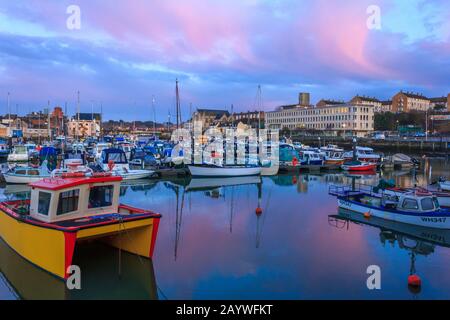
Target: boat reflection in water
(417,240)
(131,277)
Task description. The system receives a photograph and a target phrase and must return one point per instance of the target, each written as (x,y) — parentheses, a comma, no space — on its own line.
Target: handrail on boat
(347,190)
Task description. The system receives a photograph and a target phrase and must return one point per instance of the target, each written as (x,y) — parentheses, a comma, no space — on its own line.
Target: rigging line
(8,286)
(140,258)
(160,290)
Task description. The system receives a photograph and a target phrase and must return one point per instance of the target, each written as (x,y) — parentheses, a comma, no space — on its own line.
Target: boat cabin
(114,157)
(58,199)
(20,149)
(410,201)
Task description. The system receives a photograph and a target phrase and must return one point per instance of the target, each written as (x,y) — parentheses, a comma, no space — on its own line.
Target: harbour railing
(349,190)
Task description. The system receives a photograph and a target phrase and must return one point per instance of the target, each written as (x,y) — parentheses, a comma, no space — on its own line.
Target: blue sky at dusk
(127,51)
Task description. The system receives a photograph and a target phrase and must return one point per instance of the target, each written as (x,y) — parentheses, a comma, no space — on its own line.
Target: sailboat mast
(259,107)
(154,116)
(177,93)
(78,115)
(9,112)
(48,121)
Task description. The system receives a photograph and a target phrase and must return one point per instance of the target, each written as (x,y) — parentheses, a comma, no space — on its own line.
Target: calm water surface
(212,245)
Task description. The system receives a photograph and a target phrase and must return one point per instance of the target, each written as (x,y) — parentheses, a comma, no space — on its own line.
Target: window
(101,196)
(68,201)
(410,204)
(44,202)
(33,172)
(21,171)
(427,204)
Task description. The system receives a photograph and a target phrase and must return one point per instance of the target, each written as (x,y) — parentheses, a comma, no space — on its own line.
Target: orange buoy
(258,211)
(414,281)
(367,215)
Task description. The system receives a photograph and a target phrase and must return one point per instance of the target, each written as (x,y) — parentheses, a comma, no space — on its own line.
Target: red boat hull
(365,167)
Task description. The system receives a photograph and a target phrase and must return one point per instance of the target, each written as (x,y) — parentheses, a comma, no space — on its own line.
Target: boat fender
(367,215)
(111,165)
(414,281)
(258,211)
(294,161)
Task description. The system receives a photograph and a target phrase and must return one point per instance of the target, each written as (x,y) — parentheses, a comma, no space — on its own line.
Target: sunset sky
(220,50)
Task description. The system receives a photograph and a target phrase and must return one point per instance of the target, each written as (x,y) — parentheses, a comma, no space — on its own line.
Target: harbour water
(212,245)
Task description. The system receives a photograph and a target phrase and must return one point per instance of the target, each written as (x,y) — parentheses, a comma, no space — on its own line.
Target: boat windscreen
(117,157)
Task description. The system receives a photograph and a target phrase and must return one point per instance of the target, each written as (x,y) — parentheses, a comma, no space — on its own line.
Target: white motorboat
(206,170)
(364,154)
(417,207)
(18,153)
(25,175)
(115,161)
(98,149)
(444,185)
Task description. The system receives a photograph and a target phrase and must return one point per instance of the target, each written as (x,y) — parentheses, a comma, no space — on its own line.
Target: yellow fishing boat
(63,212)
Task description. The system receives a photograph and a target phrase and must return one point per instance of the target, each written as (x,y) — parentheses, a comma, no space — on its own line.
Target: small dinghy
(207,170)
(417,207)
(359,166)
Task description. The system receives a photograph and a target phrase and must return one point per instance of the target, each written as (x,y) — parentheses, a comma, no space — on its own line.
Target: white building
(335,119)
(83,128)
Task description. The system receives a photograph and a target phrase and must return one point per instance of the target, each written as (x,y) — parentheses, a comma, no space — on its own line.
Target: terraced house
(408,101)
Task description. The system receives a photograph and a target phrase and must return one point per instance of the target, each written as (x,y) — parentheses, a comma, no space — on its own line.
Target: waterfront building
(304,99)
(211,117)
(439,104)
(329,102)
(337,119)
(407,101)
(367,101)
(57,121)
(84,125)
(386,106)
(250,118)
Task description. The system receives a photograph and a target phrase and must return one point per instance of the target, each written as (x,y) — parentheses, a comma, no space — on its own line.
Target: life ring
(73,175)
(101,174)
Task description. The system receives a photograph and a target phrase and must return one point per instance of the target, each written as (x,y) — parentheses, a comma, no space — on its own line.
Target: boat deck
(17,210)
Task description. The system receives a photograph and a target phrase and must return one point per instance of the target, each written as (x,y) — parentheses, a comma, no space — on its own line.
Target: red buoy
(414,281)
(367,215)
(258,211)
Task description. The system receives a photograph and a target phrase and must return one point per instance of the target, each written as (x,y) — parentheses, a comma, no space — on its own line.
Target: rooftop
(54,184)
(414,95)
(364,98)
